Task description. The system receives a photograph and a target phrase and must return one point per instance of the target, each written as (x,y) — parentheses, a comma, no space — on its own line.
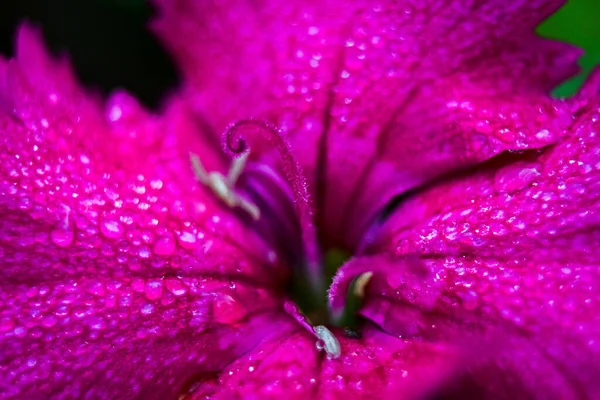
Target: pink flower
(419,137)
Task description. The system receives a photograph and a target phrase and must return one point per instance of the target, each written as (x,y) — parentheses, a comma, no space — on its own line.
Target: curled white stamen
(224,186)
(328,342)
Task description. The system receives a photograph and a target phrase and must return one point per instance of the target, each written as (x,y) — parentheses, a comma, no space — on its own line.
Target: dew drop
(187,240)
(62,237)
(111,229)
(144,252)
(20,331)
(175,286)
(138,285)
(115,113)
(165,245)
(96,288)
(228,310)
(49,322)
(147,309)
(153,290)
(96,323)
(470,300)
(6,324)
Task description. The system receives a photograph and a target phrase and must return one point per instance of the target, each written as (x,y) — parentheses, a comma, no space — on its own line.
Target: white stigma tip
(328,342)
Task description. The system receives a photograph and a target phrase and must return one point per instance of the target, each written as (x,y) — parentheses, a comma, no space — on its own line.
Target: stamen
(360,284)
(224,186)
(328,342)
(348,315)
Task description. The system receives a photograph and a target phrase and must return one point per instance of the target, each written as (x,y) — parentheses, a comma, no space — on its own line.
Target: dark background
(107,40)
(110,45)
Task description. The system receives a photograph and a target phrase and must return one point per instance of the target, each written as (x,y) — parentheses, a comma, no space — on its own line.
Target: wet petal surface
(510,251)
(377,366)
(123,277)
(120,275)
(378,98)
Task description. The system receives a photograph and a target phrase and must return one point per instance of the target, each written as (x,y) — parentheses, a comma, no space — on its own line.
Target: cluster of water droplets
(289,367)
(516,242)
(104,256)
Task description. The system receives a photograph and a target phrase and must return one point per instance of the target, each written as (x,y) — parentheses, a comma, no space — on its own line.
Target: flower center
(278,207)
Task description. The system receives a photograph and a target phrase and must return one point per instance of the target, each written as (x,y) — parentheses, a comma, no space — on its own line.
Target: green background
(577,22)
(111,47)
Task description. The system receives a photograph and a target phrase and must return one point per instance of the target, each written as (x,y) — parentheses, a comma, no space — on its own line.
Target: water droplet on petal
(175,286)
(115,113)
(111,229)
(20,331)
(96,323)
(165,245)
(187,240)
(6,324)
(147,309)
(62,237)
(138,285)
(96,288)
(153,290)
(227,309)
(470,300)
(144,252)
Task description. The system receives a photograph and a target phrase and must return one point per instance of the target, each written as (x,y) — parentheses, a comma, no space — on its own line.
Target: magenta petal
(591,86)
(120,275)
(457,128)
(377,98)
(378,366)
(407,280)
(514,247)
(121,338)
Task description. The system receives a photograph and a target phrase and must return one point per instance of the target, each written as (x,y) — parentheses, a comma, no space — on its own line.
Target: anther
(328,342)
(360,284)
(224,186)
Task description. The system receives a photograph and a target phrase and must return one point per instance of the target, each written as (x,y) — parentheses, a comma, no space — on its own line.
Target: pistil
(239,138)
(279,205)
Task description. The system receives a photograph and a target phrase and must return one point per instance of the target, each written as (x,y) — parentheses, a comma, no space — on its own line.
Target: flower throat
(279,209)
